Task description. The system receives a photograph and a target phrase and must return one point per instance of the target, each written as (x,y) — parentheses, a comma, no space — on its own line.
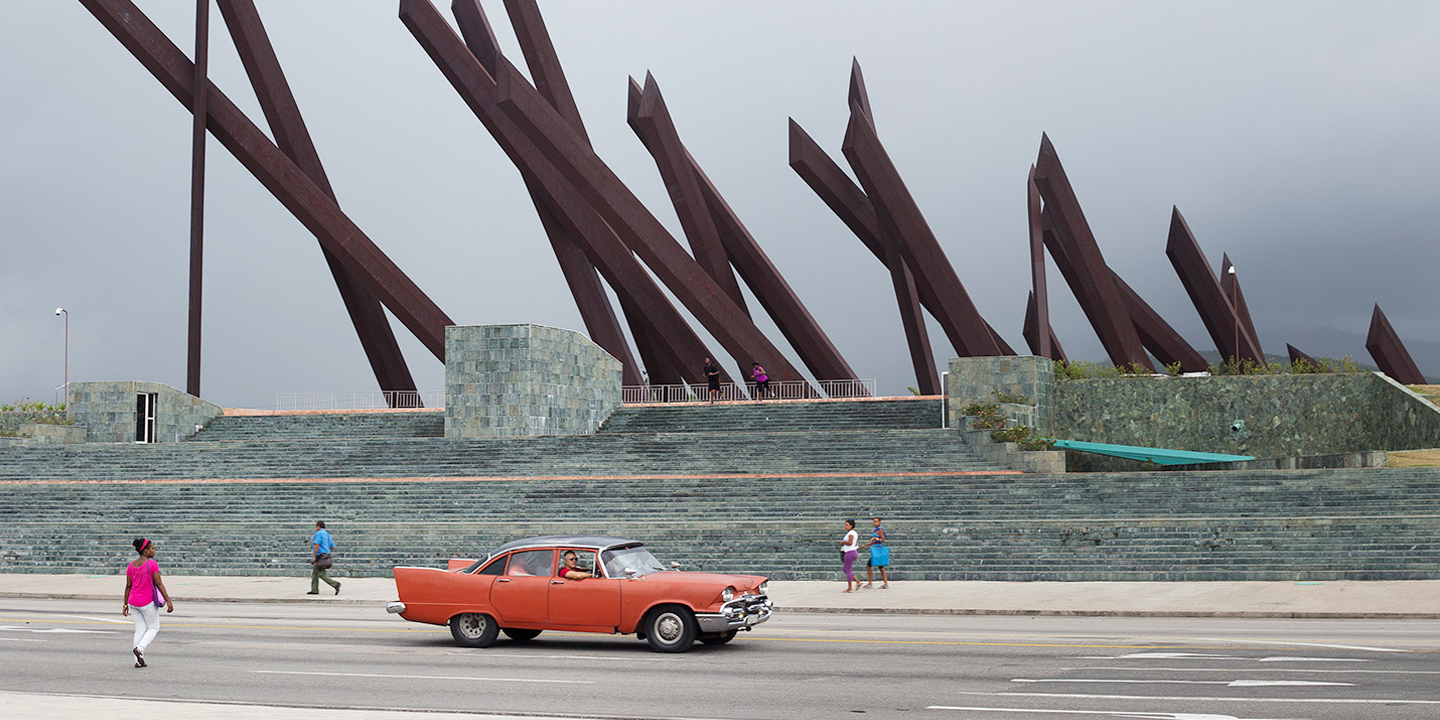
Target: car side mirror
(674,566)
(630,572)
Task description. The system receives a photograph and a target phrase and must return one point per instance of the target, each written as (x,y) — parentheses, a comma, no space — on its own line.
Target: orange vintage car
(580,583)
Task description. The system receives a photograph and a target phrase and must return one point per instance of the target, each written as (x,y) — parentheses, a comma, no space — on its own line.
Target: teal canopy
(1159,456)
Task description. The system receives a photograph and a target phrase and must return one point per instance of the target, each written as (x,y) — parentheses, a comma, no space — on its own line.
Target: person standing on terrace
(712,378)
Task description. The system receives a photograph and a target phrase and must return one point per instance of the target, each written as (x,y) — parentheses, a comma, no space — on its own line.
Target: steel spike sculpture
(1032,331)
(850,204)
(287,182)
(750,261)
(1099,297)
(900,219)
(1038,306)
(1206,293)
(1230,285)
(580,274)
(652,311)
(1297,357)
(287,126)
(1390,354)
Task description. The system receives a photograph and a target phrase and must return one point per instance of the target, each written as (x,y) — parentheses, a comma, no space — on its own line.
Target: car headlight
(727,594)
(764,586)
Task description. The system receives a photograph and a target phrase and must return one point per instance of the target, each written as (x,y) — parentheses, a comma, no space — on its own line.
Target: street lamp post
(1235,310)
(66,313)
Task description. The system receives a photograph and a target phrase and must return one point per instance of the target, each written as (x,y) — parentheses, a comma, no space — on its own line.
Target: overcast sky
(1298,137)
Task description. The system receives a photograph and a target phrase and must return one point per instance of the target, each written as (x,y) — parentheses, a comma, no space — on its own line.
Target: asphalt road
(796,667)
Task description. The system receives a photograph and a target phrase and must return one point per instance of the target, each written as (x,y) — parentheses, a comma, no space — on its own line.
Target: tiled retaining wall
(507,380)
(11,421)
(1265,416)
(976,379)
(107,409)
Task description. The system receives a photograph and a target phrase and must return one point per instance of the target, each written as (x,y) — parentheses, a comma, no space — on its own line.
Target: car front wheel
(671,629)
(476,630)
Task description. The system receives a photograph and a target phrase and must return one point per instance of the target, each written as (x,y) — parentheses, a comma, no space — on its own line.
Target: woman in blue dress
(879,557)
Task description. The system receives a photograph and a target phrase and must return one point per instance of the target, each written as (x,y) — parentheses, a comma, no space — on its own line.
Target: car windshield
(639,559)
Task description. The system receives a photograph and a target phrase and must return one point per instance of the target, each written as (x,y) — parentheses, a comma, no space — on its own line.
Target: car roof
(586,542)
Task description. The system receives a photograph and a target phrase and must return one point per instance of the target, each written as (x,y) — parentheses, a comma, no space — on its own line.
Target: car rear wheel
(671,629)
(475,630)
(718,638)
(520,634)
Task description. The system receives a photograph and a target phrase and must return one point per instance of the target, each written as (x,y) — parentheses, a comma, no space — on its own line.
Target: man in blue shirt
(320,562)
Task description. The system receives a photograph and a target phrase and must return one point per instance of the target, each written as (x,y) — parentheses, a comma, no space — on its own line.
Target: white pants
(147,624)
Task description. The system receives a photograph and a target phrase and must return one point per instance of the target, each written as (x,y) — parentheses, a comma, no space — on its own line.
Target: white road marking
(1189,698)
(1312,659)
(21,639)
(1162,656)
(1107,713)
(1268,670)
(101,619)
(1227,683)
(1297,643)
(72,630)
(424,677)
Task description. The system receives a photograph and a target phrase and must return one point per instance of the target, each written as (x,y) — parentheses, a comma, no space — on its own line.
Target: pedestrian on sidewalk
(145,594)
(762,381)
(849,550)
(321,547)
(712,378)
(879,557)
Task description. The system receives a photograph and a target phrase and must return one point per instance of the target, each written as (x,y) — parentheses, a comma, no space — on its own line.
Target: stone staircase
(733,488)
(323,426)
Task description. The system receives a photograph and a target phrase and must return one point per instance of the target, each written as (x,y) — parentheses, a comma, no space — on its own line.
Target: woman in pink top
(144,593)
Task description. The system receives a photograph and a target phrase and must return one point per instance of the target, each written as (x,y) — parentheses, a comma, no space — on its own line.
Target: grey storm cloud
(1296,136)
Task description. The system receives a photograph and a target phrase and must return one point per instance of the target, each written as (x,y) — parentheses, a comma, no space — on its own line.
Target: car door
(519,596)
(592,602)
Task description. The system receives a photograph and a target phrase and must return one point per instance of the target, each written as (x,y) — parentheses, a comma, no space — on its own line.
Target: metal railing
(364,400)
(788,390)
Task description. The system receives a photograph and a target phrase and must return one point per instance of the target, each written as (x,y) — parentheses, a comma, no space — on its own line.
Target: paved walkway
(1373,599)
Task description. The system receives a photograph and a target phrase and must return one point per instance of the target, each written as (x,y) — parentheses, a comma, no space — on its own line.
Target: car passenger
(570,568)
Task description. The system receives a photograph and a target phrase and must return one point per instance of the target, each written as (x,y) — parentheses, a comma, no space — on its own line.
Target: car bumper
(395,606)
(741,613)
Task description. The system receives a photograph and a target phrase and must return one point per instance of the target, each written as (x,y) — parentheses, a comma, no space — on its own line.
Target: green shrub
(1009,398)
(1024,436)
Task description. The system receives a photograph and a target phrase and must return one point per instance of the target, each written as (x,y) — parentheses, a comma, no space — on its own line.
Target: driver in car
(570,569)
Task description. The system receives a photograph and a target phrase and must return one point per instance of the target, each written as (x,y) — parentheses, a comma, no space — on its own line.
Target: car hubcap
(472,626)
(668,628)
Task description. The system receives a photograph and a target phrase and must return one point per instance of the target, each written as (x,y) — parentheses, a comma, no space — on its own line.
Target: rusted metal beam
(1155,334)
(1039,299)
(1389,352)
(1206,292)
(287,126)
(851,205)
(1099,298)
(300,195)
(900,218)
(1230,284)
(197,195)
(1298,356)
(750,261)
(663,142)
(1032,333)
(646,305)
(598,185)
(580,274)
